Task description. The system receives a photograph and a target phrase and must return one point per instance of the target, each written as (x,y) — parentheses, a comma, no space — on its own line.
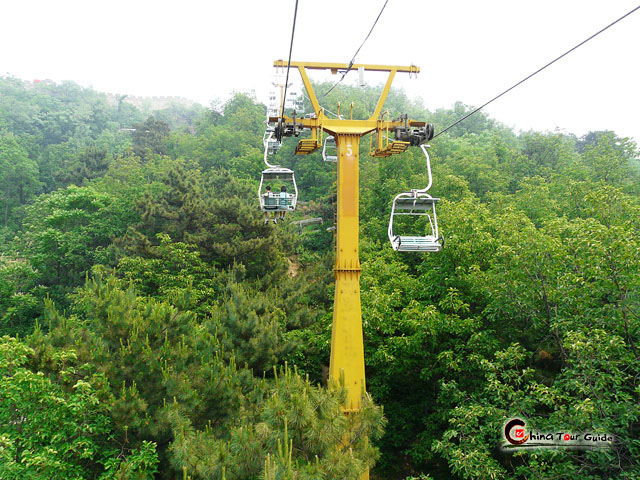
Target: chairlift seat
(277,203)
(419,203)
(270,203)
(403,243)
(329,150)
(285,202)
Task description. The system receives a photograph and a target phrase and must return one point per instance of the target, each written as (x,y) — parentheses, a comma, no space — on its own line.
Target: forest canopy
(152,325)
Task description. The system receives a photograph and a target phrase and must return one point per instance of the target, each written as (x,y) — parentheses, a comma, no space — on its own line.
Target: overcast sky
(467,50)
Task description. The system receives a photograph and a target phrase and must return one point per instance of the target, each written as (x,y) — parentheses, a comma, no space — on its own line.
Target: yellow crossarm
(336,67)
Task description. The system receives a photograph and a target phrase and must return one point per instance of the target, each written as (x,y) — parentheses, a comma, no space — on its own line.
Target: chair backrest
(329,150)
(285,199)
(270,201)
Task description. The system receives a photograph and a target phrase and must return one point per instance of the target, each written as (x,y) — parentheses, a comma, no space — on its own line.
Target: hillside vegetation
(153,326)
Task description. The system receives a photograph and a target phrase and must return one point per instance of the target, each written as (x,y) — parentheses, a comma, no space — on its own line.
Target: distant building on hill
(149,103)
(146,104)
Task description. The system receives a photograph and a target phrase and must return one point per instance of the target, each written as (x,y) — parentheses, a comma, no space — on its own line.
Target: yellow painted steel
(347,347)
(335,67)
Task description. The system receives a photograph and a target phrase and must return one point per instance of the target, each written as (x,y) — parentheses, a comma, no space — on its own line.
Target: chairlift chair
(271,145)
(277,202)
(416,203)
(329,149)
(297,102)
(294,99)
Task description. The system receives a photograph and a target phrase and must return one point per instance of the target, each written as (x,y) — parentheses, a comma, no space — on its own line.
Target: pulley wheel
(279,130)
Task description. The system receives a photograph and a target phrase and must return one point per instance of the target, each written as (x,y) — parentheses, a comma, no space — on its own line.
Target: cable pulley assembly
(414,135)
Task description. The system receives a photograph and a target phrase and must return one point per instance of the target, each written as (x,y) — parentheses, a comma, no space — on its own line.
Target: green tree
(293,430)
(21,299)
(173,271)
(609,159)
(151,355)
(56,427)
(217,213)
(68,231)
(18,174)
(169,379)
(150,137)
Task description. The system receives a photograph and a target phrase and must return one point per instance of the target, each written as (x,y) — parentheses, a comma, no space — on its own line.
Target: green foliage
(166,378)
(150,137)
(85,163)
(18,175)
(65,233)
(174,272)
(294,430)
(55,113)
(55,426)
(178,114)
(216,212)
(151,354)
(609,159)
(231,141)
(252,326)
(174,346)
(141,464)
(68,231)
(556,290)
(21,300)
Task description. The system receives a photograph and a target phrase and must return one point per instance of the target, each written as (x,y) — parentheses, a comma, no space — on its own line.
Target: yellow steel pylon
(347,348)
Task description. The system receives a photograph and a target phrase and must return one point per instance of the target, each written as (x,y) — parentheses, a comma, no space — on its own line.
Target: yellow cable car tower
(347,349)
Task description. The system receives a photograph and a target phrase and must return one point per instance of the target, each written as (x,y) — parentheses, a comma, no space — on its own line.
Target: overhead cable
(357,51)
(286,82)
(537,71)
(323,108)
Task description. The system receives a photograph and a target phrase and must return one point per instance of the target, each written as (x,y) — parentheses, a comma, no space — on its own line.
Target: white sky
(467,50)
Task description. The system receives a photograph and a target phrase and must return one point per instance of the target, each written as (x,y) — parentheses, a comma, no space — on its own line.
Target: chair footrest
(307,146)
(391,149)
